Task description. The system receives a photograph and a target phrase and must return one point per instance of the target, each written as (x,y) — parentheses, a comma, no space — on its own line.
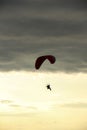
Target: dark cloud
(30,28)
(82,4)
(42,27)
(70,55)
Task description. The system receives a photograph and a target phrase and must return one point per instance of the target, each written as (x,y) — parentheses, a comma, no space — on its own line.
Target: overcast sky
(31,28)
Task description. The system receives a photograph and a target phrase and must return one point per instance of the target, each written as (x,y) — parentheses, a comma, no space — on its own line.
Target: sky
(32,28)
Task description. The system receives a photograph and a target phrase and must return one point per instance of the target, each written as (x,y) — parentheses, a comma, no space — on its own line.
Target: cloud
(32,28)
(32,108)
(10,103)
(5,101)
(42,27)
(21,106)
(74,105)
(46,3)
(70,55)
(15,105)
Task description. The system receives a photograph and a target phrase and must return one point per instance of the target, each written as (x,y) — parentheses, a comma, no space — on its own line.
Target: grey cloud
(38,27)
(70,55)
(22,21)
(31,21)
(42,27)
(82,4)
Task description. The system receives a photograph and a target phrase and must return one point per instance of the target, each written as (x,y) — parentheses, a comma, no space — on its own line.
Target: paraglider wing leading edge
(41,59)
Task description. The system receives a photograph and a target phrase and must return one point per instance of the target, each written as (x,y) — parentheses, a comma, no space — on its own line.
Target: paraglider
(41,59)
(48,87)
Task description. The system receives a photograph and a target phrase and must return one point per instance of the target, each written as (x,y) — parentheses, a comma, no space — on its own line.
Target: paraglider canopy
(41,59)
